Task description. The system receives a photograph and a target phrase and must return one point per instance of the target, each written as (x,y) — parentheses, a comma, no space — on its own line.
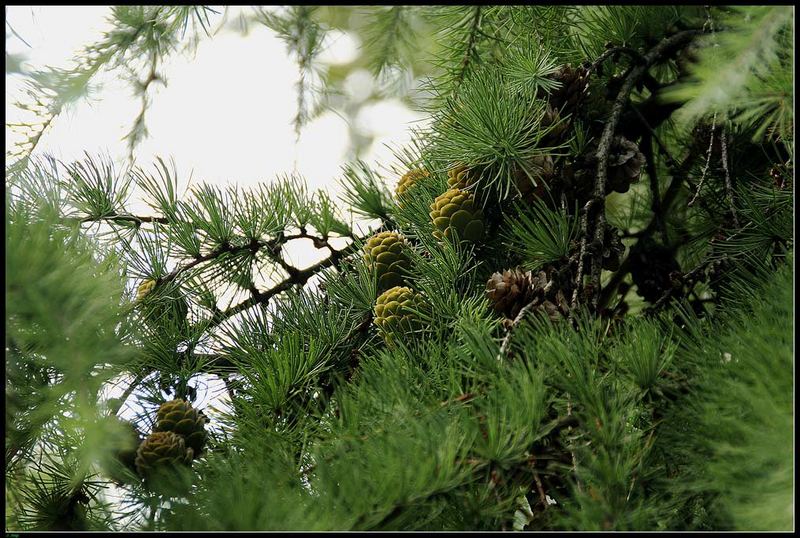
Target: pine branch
(658,53)
(300,277)
(470,48)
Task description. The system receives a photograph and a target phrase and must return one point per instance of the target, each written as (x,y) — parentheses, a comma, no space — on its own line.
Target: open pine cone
(624,164)
(510,291)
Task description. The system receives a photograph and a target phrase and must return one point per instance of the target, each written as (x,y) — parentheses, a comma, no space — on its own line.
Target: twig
(542,494)
(115,407)
(572,452)
(634,55)
(708,161)
(670,160)
(509,331)
(728,185)
(475,28)
(650,165)
(299,278)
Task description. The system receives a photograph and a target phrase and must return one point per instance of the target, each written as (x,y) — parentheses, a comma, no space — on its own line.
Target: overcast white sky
(225,115)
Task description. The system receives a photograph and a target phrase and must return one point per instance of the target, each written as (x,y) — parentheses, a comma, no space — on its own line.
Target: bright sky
(225,115)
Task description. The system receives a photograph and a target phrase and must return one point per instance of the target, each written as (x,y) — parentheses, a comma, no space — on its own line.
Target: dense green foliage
(638,159)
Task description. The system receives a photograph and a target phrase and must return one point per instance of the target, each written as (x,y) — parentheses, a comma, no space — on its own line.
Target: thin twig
(474,29)
(728,185)
(572,452)
(509,331)
(708,161)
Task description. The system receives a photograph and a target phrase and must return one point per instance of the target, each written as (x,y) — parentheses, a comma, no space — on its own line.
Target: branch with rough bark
(593,212)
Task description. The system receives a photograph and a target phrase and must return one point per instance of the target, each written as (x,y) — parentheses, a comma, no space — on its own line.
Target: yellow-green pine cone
(395,312)
(162,301)
(456,211)
(162,452)
(179,417)
(145,288)
(459,177)
(387,254)
(408,181)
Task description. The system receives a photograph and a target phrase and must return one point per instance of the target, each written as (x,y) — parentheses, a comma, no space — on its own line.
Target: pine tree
(573,309)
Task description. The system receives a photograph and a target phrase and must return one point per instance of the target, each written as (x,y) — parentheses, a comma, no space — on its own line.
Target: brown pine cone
(574,83)
(624,164)
(557,307)
(613,249)
(553,118)
(509,291)
(542,170)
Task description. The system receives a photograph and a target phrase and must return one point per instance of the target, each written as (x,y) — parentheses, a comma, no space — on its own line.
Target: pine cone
(557,307)
(512,290)
(574,83)
(408,181)
(179,417)
(160,453)
(145,288)
(386,253)
(396,312)
(552,119)
(624,164)
(509,291)
(459,177)
(455,211)
(613,249)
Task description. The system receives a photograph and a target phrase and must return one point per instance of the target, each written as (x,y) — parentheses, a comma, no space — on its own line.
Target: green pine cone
(395,312)
(145,288)
(160,453)
(162,301)
(179,417)
(408,181)
(386,253)
(456,211)
(459,177)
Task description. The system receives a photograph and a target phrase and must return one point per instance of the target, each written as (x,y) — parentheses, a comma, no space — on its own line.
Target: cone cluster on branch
(574,86)
(386,253)
(178,437)
(178,416)
(512,290)
(161,451)
(460,177)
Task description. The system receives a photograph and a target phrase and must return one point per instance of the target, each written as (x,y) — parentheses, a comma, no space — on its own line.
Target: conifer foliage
(573,309)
